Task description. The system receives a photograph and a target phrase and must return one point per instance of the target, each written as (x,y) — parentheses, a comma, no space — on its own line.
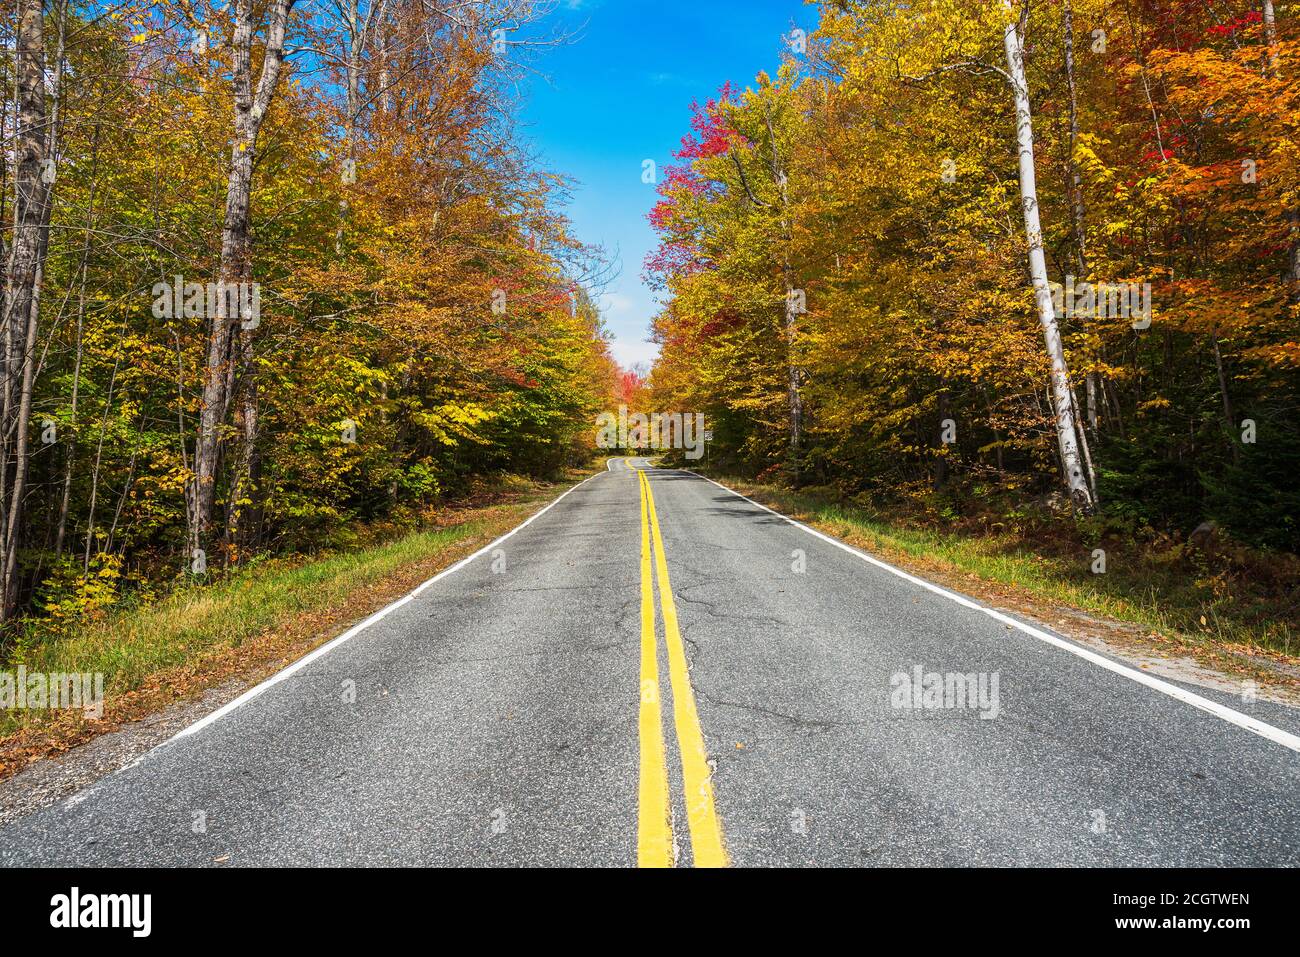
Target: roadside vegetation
(253,622)
(408,309)
(998,285)
(1228,605)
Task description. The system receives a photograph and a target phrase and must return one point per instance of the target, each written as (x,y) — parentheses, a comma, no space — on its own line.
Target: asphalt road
(516,711)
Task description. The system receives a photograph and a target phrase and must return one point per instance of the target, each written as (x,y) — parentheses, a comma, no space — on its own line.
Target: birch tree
(1270,37)
(251,103)
(23,279)
(1063,410)
(1064,413)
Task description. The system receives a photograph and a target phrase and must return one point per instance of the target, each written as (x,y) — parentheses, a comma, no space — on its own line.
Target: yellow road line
(701,815)
(654,831)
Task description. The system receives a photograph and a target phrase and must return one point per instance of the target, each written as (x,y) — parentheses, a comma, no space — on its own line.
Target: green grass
(1162,589)
(192,620)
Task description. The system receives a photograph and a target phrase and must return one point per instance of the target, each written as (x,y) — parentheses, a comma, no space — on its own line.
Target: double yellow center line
(654,825)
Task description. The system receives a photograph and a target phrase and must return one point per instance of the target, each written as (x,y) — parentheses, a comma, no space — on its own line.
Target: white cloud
(614,305)
(629,352)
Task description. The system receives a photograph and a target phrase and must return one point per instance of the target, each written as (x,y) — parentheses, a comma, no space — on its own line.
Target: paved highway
(657,671)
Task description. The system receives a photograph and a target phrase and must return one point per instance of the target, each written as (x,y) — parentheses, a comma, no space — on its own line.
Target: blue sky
(620,94)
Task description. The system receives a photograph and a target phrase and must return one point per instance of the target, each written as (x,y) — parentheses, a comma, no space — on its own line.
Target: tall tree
(226,352)
(23,281)
(1063,410)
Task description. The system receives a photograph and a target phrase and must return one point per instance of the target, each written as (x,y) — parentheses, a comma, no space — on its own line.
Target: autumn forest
(278,271)
(406,306)
(970,251)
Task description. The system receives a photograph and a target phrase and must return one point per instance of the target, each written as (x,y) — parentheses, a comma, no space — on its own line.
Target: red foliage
(710,137)
(629,384)
(1182,24)
(1249,18)
(721,322)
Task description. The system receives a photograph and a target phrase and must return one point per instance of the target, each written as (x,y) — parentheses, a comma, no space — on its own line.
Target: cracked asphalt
(493,720)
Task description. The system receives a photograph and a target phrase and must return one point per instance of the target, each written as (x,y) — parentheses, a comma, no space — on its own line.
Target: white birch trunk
(1062,395)
(1270,36)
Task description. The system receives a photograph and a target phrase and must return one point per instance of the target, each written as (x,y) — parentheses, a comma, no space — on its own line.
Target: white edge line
(355,630)
(1255,726)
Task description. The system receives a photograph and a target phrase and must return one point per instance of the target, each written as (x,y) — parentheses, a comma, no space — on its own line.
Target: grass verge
(247,626)
(1234,613)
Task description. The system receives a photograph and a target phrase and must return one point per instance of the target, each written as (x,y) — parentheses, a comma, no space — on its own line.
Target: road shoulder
(47,762)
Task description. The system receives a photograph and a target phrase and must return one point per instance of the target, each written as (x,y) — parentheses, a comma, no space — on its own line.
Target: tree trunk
(22,282)
(941,447)
(793,307)
(1270,37)
(792,381)
(1063,402)
(1076,181)
(1087,452)
(1229,419)
(78,353)
(236,262)
(1293,217)
(1080,222)
(1077,206)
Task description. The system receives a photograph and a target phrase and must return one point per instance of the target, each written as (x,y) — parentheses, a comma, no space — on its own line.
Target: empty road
(657,671)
